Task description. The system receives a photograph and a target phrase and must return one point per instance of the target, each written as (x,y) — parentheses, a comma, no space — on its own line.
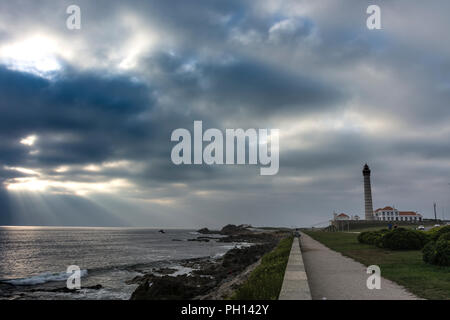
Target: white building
(392,214)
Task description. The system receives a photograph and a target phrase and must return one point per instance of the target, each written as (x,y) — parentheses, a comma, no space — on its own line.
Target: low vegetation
(397,239)
(372,237)
(435,242)
(437,250)
(266,280)
(405,267)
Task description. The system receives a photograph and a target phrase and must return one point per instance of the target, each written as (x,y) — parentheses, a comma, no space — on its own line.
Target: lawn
(403,267)
(266,280)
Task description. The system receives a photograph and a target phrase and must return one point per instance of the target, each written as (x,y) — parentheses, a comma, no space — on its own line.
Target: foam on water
(42,278)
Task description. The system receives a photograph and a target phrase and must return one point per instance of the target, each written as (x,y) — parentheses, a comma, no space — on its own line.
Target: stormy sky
(86,115)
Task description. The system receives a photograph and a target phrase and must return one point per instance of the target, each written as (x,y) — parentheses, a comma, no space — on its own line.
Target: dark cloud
(79,117)
(368,96)
(241,86)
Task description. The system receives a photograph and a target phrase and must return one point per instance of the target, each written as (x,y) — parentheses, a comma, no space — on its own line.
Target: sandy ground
(335,277)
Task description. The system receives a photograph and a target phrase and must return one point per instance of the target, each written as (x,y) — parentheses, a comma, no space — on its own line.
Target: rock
(207,231)
(202,281)
(209,273)
(250,237)
(173,288)
(200,239)
(96,287)
(236,260)
(165,271)
(231,229)
(67,290)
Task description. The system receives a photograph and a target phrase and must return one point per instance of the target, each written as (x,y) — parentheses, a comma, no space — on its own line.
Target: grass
(265,281)
(403,267)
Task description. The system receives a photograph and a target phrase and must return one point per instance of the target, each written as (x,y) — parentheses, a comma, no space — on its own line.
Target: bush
(438,252)
(363,236)
(442,257)
(397,239)
(403,239)
(429,252)
(370,237)
(435,233)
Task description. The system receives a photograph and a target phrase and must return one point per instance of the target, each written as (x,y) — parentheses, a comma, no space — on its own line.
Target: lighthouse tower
(367,193)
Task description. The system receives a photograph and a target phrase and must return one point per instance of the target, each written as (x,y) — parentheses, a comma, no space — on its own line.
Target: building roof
(385,209)
(342,215)
(408,213)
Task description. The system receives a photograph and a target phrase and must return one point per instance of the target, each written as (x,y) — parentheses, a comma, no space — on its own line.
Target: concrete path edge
(295,283)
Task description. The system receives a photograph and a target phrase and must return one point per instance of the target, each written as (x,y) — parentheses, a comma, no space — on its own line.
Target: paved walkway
(335,277)
(295,283)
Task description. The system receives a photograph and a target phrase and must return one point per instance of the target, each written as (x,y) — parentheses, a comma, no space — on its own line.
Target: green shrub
(403,239)
(397,239)
(362,237)
(371,237)
(429,252)
(435,233)
(438,252)
(445,236)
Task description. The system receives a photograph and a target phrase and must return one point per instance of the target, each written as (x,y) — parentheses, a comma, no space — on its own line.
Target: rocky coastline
(195,278)
(208,275)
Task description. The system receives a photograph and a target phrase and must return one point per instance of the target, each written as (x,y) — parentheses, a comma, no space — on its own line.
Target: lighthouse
(367,193)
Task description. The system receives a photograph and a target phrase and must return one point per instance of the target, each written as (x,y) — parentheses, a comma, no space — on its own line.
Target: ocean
(35,259)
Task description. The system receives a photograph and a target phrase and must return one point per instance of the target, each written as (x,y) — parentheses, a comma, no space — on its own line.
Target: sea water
(32,258)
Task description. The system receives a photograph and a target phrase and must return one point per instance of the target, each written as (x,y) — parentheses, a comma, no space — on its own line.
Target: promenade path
(333,276)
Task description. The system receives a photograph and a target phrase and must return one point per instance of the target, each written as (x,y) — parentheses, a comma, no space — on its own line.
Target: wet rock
(173,288)
(67,290)
(165,271)
(209,275)
(250,237)
(199,239)
(207,231)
